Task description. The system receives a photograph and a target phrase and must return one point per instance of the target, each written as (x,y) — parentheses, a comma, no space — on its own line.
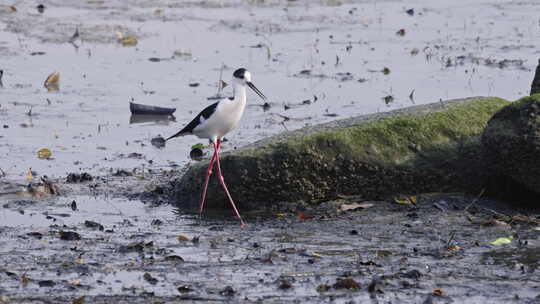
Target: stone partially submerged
(434,147)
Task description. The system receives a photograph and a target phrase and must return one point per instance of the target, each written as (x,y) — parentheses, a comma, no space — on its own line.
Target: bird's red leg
(222,181)
(208,173)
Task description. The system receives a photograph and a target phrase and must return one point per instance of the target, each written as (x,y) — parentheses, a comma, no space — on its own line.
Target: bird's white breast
(225,118)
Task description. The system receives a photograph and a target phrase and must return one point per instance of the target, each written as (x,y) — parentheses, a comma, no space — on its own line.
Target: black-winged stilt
(218,119)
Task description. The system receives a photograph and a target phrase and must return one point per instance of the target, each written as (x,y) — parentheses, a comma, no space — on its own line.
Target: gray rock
(535,86)
(434,147)
(512,144)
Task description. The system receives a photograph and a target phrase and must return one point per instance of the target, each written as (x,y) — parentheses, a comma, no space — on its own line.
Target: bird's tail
(181,133)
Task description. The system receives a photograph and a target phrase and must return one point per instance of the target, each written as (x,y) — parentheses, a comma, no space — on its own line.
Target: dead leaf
(128,41)
(24,280)
(323,288)
(52,82)
(29,176)
(44,153)
(411,200)
(502,241)
(354,206)
(182,238)
(79,300)
(453,248)
(347,283)
(439,292)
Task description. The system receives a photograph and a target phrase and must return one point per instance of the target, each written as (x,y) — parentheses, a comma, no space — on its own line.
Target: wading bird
(218,119)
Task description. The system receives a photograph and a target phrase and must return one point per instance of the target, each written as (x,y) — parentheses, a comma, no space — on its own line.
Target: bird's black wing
(206,113)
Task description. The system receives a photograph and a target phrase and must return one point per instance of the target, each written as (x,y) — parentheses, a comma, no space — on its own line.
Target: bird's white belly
(222,121)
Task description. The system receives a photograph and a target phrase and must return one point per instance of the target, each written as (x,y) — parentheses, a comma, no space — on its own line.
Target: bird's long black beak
(254,88)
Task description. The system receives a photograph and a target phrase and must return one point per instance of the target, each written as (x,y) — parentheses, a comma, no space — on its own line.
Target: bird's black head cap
(239,73)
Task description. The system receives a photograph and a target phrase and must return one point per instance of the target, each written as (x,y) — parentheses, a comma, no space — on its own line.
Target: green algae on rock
(511,143)
(424,148)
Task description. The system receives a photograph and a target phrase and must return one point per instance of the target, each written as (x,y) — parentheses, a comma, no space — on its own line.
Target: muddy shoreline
(437,250)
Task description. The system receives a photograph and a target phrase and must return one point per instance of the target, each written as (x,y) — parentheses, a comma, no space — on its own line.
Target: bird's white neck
(239,92)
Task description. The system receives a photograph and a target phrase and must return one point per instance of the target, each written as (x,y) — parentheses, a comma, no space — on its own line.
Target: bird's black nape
(239,73)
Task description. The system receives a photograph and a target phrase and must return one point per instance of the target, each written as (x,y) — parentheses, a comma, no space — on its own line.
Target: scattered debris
(44,153)
(182,238)
(69,235)
(149,278)
(354,206)
(227,291)
(135,247)
(52,83)
(122,173)
(74,37)
(93,225)
(174,259)
(323,287)
(285,284)
(73,205)
(158,142)
(183,53)
(37,235)
(502,241)
(346,283)
(196,154)
(388,99)
(438,292)
(410,200)
(184,288)
(79,300)
(74,178)
(46,283)
(376,285)
(126,40)
(136,108)
(309,74)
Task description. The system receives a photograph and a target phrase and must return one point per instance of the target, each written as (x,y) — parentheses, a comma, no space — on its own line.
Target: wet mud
(108,248)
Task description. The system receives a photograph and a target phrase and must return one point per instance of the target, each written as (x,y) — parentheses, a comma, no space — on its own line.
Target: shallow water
(87,123)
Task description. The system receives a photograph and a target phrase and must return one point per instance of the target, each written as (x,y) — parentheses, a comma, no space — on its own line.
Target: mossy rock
(512,145)
(426,148)
(535,86)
